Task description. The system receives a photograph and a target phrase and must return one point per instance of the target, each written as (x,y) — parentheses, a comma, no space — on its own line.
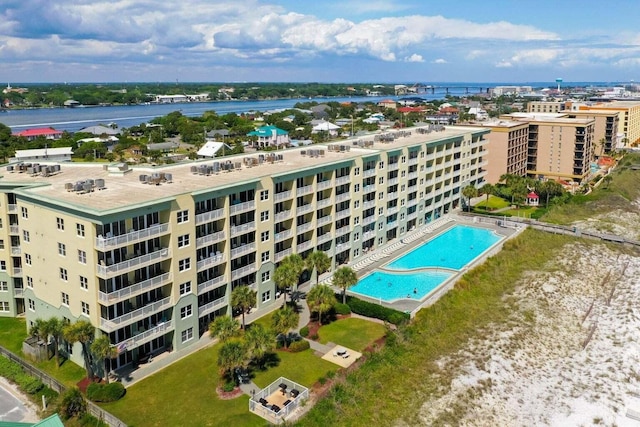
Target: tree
(232,355)
(83,332)
(318,261)
(73,403)
(243,298)
(259,341)
(285,277)
(320,299)
(283,320)
(488,190)
(38,329)
(54,328)
(102,349)
(469,192)
(224,328)
(344,278)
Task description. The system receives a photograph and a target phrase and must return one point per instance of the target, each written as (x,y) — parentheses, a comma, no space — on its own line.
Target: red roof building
(48,133)
(407,110)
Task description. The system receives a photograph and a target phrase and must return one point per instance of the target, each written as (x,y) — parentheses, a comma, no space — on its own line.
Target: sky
(329,41)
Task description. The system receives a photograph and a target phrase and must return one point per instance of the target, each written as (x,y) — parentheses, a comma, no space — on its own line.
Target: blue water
(454,248)
(386,286)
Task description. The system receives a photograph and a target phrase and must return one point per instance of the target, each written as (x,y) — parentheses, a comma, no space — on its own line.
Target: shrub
(304,331)
(376,311)
(342,309)
(29,384)
(228,386)
(299,346)
(105,392)
(13,372)
(314,337)
(73,404)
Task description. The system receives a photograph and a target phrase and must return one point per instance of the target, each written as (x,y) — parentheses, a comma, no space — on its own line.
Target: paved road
(11,409)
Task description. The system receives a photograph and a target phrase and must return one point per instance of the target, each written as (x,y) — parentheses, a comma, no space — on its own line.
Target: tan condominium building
(150,255)
(507,148)
(606,135)
(629,118)
(545,107)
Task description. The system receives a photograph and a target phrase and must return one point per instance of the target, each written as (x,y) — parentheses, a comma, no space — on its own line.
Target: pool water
(454,249)
(391,286)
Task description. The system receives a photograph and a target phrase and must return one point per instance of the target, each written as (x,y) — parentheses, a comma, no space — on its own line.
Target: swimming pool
(392,286)
(454,249)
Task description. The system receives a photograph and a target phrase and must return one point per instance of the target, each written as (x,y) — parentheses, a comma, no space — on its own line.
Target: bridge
(420,88)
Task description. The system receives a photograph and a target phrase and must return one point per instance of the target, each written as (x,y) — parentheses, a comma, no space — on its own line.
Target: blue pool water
(392,286)
(454,248)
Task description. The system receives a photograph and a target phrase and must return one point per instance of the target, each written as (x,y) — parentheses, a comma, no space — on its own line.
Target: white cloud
(414,58)
(439,61)
(504,64)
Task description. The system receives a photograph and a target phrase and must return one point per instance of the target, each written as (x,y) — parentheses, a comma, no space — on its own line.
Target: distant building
(629,119)
(48,133)
(61,154)
(388,103)
(210,149)
(101,130)
(270,136)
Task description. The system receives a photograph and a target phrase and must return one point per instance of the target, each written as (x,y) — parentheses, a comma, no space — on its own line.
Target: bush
(342,309)
(73,404)
(299,346)
(304,331)
(376,311)
(105,392)
(13,372)
(29,384)
(228,387)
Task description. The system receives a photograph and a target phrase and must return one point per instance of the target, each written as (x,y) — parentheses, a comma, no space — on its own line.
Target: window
(4,286)
(381,165)
(379,241)
(183,216)
(183,240)
(356,171)
(185,312)
(403,159)
(32,305)
(265,256)
(266,276)
(63,274)
(25,212)
(185,288)
(60,224)
(187,335)
(184,264)
(380,196)
(25,236)
(84,283)
(82,257)
(266,296)
(264,236)
(65,298)
(85,308)
(381,180)
(27,259)
(380,211)
(3,265)
(356,236)
(356,252)
(4,306)
(264,195)
(62,249)
(356,220)
(29,282)
(380,226)
(80,230)
(356,187)
(264,216)
(356,204)
(1,244)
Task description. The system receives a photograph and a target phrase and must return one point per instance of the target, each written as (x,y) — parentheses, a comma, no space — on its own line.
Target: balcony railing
(111,325)
(302,228)
(343,214)
(413,161)
(412,175)
(283,195)
(109,298)
(343,180)
(281,216)
(343,197)
(392,181)
(210,239)
(343,246)
(392,210)
(304,209)
(242,207)
(18,292)
(14,229)
(146,336)
(210,261)
(12,207)
(241,272)
(368,188)
(392,224)
(282,254)
(15,250)
(106,271)
(213,306)
(393,166)
(131,237)
(392,196)
(243,250)
(307,189)
(369,234)
(343,230)
(283,235)
(324,203)
(324,238)
(205,217)
(243,228)
(369,204)
(369,172)
(323,221)
(324,185)
(412,215)
(369,220)
(17,271)
(301,247)
(210,285)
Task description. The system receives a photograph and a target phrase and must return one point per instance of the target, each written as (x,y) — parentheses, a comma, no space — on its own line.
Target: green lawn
(13,331)
(493,203)
(352,333)
(305,368)
(183,394)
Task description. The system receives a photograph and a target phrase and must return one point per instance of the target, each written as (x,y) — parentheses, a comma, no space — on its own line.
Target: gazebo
(279,400)
(533,199)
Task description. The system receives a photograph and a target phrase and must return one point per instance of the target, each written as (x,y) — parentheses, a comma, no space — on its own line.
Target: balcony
(283,235)
(283,195)
(324,238)
(15,250)
(243,250)
(14,229)
(135,315)
(301,247)
(368,188)
(369,234)
(239,208)
(343,180)
(323,185)
(412,175)
(302,228)
(146,336)
(342,247)
(392,181)
(369,172)
(304,209)
(279,256)
(393,166)
(107,271)
(412,202)
(205,217)
(12,207)
(343,214)
(241,272)
(413,161)
(392,196)
(212,284)
(17,271)
(343,197)
(133,290)
(412,215)
(243,228)
(343,230)
(324,203)
(307,189)
(392,224)
(369,220)
(210,261)
(210,239)
(369,204)
(132,237)
(18,292)
(284,215)
(323,221)
(392,210)
(203,310)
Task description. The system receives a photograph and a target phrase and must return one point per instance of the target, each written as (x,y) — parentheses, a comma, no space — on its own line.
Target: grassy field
(352,333)
(304,368)
(12,332)
(493,203)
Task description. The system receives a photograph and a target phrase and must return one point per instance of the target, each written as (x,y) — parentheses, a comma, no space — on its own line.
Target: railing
(368,188)
(369,172)
(342,197)
(412,175)
(412,202)
(281,216)
(343,230)
(133,290)
(392,181)
(324,220)
(392,224)
(302,228)
(324,185)
(369,204)
(343,180)
(304,209)
(205,217)
(283,235)
(413,161)
(343,214)
(284,195)
(324,238)
(393,166)
(307,189)
(412,215)
(210,238)
(210,284)
(369,234)
(12,207)
(131,237)
(343,246)
(111,325)
(392,210)
(242,207)
(369,220)
(247,269)
(243,228)
(212,306)
(15,250)
(18,292)
(279,256)
(105,271)
(301,247)
(391,196)
(146,336)
(14,229)
(17,271)
(324,203)
(242,250)
(210,261)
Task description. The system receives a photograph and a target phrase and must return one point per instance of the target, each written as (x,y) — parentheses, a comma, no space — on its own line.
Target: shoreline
(31,410)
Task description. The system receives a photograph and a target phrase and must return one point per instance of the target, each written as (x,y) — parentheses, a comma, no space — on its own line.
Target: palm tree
(344,278)
(319,261)
(259,341)
(54,327)
(296,262)
(103,349)
(283,320)
(320,299)
(243,298)
(469,192)
(285,277)
(232,355)
(38,329)
(83,332)
(224,328)
(488,189)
